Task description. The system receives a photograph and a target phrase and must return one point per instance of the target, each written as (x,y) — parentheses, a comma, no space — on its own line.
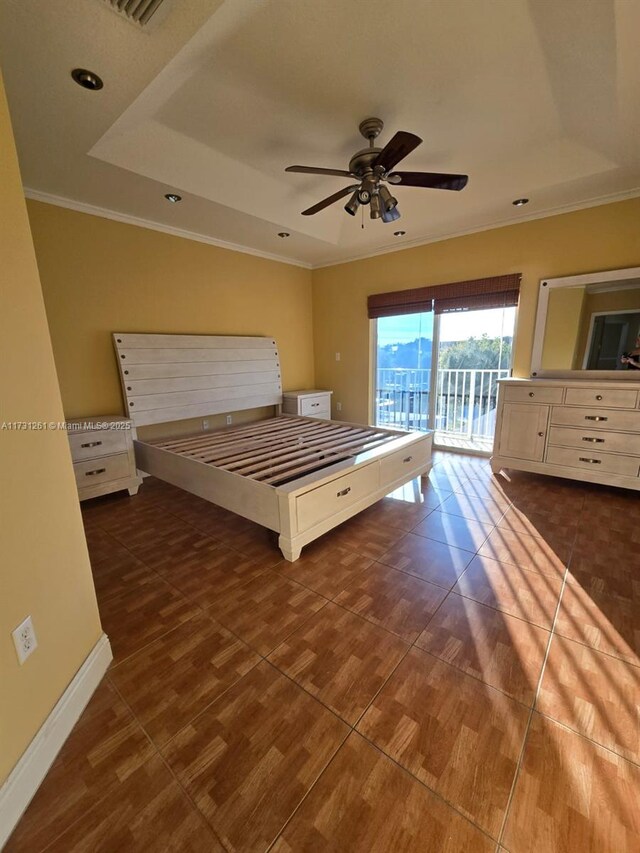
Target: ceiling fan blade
(313,170)
(397,149)
(330,200)
(431,180)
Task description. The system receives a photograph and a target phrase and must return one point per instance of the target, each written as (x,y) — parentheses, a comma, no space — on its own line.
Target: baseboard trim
(26,777)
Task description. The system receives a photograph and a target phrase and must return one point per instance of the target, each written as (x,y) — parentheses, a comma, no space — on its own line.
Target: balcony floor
(451,441)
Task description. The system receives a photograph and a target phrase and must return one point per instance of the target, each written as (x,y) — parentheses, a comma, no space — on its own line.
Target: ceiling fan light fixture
(353,204)
(390,215)
(388,201)
(376,207)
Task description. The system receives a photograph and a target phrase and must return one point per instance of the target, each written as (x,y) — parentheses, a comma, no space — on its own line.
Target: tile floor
(455,669)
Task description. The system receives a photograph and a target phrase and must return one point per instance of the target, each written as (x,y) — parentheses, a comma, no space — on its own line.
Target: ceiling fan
(374,167)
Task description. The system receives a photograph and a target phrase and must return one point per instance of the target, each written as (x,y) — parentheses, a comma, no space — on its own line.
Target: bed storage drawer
(616,398)
(591,419)
(590,459)
(92,472)
(104,442)
(325,501)
(527,394)
(610,442)
(415,456)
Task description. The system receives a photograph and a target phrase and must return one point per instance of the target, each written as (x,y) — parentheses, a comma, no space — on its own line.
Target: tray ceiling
(530,98)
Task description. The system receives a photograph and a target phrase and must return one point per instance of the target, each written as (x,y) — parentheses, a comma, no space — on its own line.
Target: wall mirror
(587,324)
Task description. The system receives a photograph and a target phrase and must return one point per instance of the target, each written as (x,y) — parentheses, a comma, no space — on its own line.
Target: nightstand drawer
(319,406)
(92,472)
(100,442)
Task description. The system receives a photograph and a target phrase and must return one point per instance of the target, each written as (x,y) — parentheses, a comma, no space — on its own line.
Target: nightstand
(310,403)
(102,453)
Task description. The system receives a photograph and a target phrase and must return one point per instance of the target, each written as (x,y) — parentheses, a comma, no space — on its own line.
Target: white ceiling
(531,98)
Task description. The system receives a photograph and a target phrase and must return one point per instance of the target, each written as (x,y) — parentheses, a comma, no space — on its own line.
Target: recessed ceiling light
(283,234)
(399,233)
(173,198)
(519,202)
(87,79)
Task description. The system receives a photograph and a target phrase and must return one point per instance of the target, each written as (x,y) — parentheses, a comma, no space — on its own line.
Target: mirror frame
(549,284)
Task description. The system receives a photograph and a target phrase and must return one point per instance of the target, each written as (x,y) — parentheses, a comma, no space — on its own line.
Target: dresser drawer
(315,407)
(528,394)
(104,442)
(327,500)
(615,398)
(92,472)
(612,442)
(608,419)
(414,457)
(592,460)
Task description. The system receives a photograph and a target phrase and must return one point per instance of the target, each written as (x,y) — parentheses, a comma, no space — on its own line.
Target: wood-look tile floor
(456,669)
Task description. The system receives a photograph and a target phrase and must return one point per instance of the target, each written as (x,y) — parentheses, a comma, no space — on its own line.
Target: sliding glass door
(440,372)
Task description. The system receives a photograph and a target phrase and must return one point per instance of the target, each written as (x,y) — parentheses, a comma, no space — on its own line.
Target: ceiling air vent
(140,11)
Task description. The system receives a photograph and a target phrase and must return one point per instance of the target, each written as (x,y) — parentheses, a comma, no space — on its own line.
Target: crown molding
(502,223)
(106,213)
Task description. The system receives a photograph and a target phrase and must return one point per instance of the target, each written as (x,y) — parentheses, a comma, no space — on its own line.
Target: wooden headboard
(175,377)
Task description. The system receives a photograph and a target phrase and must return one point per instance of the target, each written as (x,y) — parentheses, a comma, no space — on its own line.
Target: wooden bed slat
(240,449)
(225,436)
(313,466)
(272,450)
(324,450)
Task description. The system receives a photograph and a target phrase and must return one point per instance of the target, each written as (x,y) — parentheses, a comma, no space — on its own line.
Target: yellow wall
(100,276)
(45,566)
(598,238)
(564,313)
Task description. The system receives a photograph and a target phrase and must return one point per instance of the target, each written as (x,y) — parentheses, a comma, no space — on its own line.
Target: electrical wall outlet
(337,356)
(338,407)
(229,419)
(205,425)
(24,638)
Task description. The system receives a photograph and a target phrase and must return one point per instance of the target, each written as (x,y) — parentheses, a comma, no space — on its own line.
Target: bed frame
(297,476)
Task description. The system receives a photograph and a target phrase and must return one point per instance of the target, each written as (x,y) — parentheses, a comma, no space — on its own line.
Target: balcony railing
(465,403)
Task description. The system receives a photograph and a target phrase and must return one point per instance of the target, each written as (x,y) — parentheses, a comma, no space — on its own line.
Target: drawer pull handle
(343,492)
(594,418)
(593,440)
(407,458)
(598,396)
(531,394)
(97,471)
(590,461)
(315,405)
(92,444)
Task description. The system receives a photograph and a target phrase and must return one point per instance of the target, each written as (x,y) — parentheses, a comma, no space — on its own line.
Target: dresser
(583,430)
(102,454)
(310,403)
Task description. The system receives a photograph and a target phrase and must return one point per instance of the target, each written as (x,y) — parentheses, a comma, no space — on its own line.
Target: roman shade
(494,292)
